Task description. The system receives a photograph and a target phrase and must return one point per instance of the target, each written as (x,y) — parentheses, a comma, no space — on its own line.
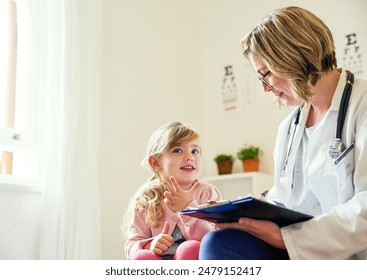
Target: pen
(264,193)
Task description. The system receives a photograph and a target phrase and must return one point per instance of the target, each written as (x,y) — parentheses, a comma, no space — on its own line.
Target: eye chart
(237,95)
(352,57)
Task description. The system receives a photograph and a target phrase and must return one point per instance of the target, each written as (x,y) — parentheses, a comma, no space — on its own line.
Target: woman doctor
(293,53)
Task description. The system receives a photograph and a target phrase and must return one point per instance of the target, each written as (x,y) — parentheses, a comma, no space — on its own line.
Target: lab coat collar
(335,103)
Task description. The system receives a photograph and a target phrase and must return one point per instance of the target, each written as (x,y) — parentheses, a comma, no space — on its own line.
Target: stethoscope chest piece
(336,148)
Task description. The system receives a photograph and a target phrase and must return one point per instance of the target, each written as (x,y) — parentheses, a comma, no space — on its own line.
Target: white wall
(151,75)
(224,24)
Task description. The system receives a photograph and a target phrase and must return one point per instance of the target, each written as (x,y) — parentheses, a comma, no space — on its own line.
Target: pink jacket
(191,228)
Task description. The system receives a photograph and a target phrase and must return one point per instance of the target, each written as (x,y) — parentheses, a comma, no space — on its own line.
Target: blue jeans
(231,244)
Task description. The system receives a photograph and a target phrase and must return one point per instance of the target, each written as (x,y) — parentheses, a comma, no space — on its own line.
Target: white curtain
(65,39)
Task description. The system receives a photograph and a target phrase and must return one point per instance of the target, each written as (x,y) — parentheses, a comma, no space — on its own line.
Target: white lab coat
(341,231)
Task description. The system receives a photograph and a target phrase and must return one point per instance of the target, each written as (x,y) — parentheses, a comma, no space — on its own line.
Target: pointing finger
(169,186)
(175,184)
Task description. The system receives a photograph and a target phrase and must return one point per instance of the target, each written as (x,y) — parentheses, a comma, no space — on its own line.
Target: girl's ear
(154,164)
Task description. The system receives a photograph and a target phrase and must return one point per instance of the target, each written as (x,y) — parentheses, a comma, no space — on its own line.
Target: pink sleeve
(139,234)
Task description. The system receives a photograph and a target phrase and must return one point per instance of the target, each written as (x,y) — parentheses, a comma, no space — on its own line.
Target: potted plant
(224,163)
(249,155)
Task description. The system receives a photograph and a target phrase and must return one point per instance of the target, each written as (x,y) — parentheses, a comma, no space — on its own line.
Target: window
(18,150)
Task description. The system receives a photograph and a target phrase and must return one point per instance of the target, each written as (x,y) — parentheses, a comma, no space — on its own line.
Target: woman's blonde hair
(148,198)
(296,45)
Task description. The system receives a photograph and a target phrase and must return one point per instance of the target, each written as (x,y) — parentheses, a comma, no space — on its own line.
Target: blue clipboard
(249,207)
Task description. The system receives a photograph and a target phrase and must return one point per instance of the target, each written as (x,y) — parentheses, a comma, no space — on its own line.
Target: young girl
(156,229)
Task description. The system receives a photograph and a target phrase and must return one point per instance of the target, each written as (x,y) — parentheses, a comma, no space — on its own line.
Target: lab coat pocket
(344,164)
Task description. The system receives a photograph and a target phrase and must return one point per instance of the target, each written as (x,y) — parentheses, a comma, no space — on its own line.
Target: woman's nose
(266,87)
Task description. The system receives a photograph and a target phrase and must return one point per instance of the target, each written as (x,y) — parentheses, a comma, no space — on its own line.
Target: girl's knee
(144,255)
(188,250)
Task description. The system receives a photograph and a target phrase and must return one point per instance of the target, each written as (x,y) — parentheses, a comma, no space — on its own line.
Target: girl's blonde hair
(148,198)
(296,45)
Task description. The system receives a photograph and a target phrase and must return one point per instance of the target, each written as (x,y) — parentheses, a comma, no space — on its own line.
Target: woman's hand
(267,231)
(176,198)
(161,243)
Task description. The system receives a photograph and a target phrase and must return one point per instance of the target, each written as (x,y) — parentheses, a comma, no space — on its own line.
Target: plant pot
(225,167)
(251,165)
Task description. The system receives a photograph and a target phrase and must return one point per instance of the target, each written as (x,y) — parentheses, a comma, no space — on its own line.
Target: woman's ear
(154,163)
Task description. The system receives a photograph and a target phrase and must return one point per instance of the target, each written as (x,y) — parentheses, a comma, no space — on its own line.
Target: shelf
(236,185)
(232,176)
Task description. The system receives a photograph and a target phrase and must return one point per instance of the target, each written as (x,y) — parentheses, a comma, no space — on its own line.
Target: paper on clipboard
(247,207)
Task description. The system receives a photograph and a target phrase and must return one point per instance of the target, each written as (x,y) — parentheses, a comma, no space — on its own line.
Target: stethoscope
(337,146)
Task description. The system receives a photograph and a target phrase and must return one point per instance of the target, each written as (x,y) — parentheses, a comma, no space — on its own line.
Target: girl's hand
(267,231)
(162,242)
(176,198)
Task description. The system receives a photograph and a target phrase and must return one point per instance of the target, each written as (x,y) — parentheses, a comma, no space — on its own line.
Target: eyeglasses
(264,80)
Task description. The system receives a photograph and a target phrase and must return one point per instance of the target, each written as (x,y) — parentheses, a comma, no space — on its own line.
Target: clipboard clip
(211,203)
